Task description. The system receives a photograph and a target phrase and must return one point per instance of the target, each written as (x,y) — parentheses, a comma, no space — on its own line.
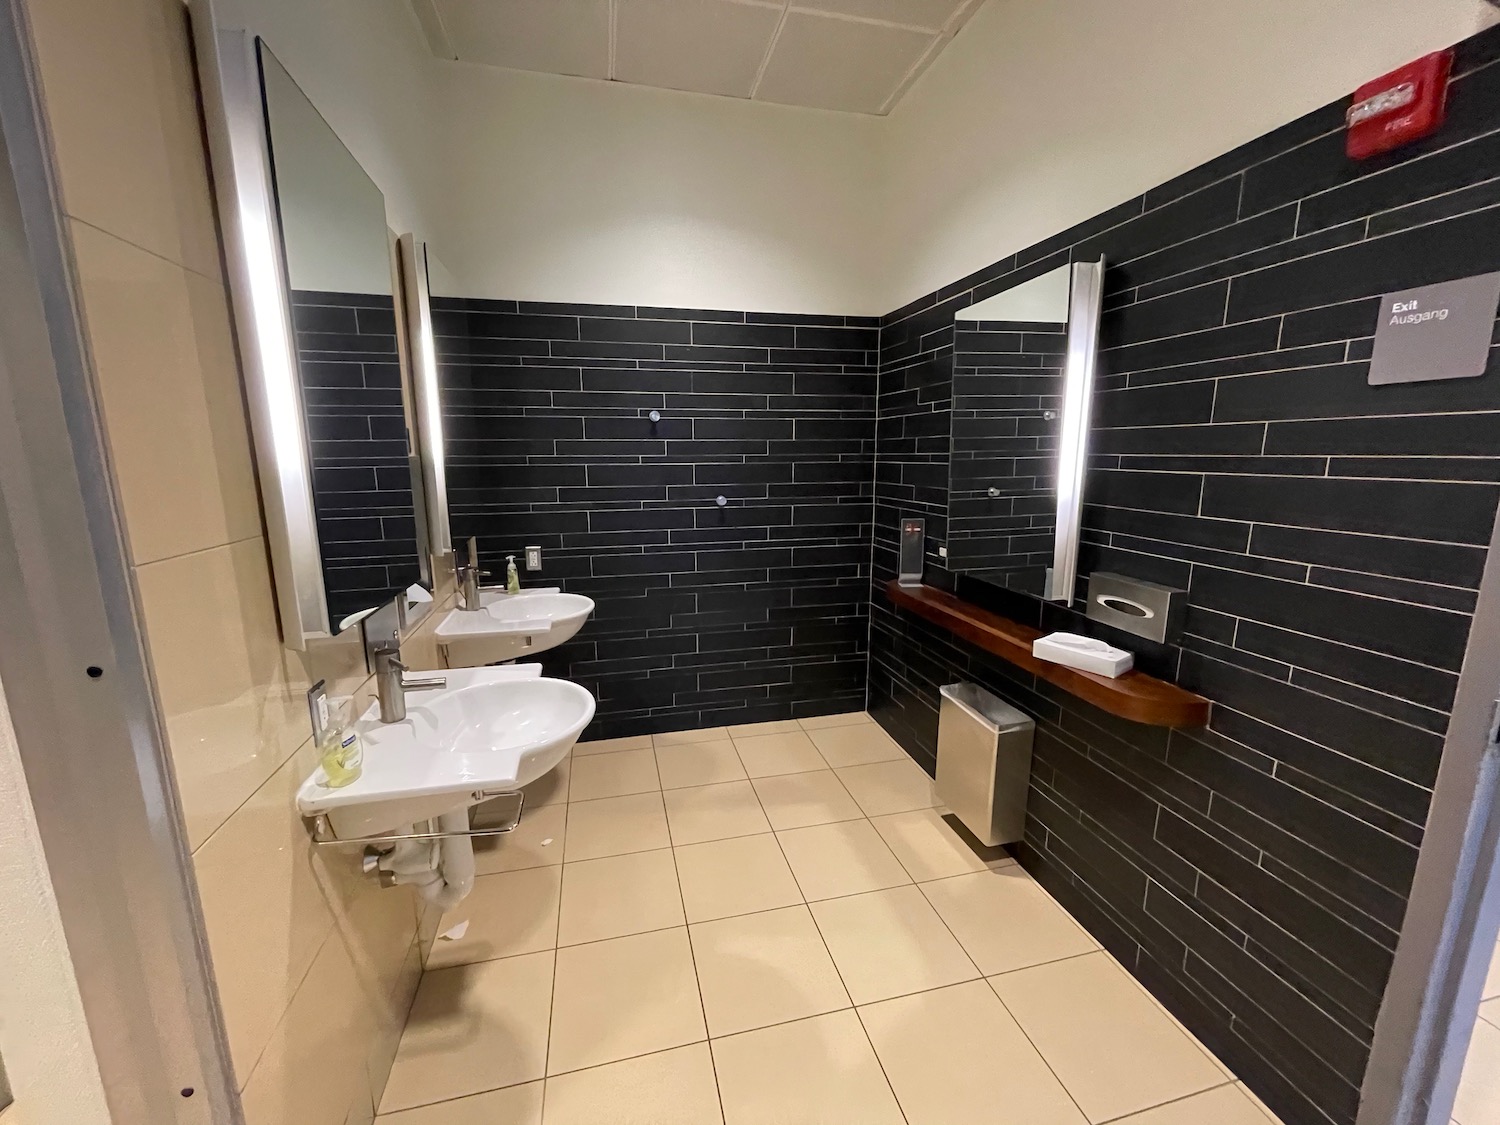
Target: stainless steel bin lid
(986,708)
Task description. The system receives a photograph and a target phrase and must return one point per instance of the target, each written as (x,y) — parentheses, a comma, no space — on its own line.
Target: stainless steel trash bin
(984,762)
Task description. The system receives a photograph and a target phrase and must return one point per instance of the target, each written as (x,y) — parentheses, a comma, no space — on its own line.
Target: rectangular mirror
(1023,376)
(324,338)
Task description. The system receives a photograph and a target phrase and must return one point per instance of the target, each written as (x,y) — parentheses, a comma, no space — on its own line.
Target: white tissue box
(1084,653)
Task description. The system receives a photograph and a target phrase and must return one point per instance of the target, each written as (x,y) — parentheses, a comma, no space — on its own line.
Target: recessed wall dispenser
(1136,606)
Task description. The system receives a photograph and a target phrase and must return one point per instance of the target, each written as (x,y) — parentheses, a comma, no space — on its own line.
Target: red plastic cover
(1403,106)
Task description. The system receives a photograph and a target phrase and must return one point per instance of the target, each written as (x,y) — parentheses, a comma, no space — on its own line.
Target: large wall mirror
(1023,374)
(336,340)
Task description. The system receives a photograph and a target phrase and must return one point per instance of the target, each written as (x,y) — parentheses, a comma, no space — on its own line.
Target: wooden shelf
(1135,695)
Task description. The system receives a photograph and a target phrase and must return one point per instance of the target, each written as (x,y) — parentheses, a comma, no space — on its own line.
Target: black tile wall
(356,428)
(1007,378)
(706,615)
(1253,874)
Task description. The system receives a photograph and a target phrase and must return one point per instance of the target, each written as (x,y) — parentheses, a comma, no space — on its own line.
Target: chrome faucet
(469,575)
(391,684)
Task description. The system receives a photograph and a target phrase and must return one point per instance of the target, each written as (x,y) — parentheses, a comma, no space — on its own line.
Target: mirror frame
(239,149)
(268,349)
(1085,306)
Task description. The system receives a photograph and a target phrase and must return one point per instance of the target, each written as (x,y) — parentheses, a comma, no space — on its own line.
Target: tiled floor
(1479,1090)
(773,925)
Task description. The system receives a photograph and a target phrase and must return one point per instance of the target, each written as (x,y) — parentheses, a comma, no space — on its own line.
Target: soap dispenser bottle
(512,576)
(337,740)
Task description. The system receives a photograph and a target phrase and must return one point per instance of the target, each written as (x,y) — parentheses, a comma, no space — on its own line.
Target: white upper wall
(1040,115)
(566,189)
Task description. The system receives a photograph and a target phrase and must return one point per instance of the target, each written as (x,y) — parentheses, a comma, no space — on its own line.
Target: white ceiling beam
(438,39)
(765,60)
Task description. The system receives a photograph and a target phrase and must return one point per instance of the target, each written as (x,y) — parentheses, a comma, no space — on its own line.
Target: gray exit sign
(1436,332)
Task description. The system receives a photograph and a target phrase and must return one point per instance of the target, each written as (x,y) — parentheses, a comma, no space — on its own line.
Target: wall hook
(655,416)
(720,501)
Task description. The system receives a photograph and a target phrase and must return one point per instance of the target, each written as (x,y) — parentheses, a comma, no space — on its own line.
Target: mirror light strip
(1084,303)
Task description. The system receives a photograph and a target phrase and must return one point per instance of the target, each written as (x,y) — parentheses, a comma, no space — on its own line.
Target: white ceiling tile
(933,14)
(710,46)
(832,63)
(556,36)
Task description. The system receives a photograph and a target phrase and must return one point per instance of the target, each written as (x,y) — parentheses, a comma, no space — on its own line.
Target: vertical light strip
(417,302)
(1084,302)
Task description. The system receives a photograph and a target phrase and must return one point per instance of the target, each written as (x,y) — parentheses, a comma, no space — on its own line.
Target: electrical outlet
(533,558)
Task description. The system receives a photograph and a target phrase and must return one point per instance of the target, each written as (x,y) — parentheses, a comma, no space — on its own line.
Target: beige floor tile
(889,943)
(819,1071)
(823,722)
(610,745)
(624,997)
(551,788)
(1005,920)
(536,842)
(796,800)
(1249,1095)
(1115,1051)
(940,1051)
(846,858)
(856,745)
(763,969)
(882,788)
(1479,1089)
(686,764)
(751,730)
(689,737)
(516,1105)
(714,812)
(473,1028)
(928,847)
(1227,1105)
(510,913)
(675,1087)
(616,825)
(623,894)
(613,775)
(722,878)
(765,755)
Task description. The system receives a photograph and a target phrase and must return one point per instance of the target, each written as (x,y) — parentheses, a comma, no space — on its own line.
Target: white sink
(511,625)
(491,730)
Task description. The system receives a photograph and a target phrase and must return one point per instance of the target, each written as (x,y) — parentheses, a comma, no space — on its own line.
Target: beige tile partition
(316,966)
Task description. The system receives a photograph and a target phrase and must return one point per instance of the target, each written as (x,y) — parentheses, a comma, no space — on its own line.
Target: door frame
(1453,912)
(74,664)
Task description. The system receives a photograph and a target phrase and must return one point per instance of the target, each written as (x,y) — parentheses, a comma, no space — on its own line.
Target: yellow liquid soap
(343,759)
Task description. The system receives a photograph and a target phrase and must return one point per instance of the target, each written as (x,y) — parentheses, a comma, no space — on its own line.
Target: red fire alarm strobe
(1404,106)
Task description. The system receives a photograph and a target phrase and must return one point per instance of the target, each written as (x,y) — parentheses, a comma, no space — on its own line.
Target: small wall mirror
(326,320)
(1023,375)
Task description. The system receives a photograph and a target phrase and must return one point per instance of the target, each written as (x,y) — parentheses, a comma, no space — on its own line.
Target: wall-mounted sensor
(533,558)
(655,416)
(912,542)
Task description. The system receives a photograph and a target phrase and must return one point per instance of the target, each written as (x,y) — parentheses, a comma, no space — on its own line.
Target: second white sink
(511,625)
